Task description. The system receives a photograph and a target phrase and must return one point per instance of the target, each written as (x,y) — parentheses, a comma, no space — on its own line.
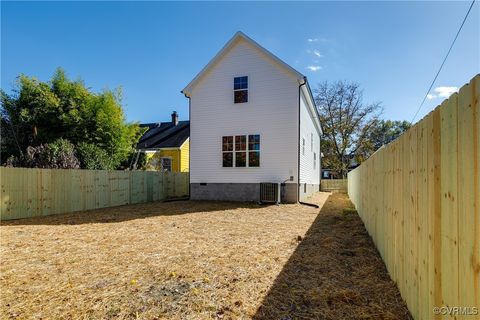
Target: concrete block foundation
(238,192)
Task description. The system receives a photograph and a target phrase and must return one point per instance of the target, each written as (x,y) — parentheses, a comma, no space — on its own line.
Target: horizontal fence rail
(334,185)
(419,198)
(30,192)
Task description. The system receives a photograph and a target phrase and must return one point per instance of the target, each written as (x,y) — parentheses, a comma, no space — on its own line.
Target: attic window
(240,89)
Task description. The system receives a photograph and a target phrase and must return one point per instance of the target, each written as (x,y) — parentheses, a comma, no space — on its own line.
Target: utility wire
(445,59)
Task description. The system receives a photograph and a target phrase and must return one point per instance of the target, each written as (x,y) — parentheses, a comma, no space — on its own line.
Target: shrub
(93,157)
(38,112)
(59,154)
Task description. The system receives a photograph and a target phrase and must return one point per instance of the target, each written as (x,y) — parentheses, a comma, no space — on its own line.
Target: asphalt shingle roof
(164,135)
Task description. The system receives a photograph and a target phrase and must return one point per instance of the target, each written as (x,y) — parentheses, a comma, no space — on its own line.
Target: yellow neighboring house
(166,145)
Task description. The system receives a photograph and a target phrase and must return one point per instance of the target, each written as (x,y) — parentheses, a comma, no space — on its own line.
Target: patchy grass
(195,260)
(350,210)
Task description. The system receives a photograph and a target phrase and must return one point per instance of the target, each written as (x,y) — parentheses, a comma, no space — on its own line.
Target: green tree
(382,132)
(39,112)
(385,131)
(93,157)
(346,122)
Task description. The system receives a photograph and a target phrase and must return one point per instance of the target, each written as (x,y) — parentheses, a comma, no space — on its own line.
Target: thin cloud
(321,39)
(317,53)
(314,68)
(442,92)
(445,92)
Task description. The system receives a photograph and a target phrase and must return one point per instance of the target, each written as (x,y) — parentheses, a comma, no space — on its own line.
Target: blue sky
(153,49)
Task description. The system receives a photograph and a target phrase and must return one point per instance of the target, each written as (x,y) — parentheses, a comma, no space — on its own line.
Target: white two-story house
(252,119)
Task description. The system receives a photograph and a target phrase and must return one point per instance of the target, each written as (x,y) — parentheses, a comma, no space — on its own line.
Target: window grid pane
(227,143)
(240,159)
(228,159)
(240,143)
(240,96)
(254,142)
(254,159)
(240,83)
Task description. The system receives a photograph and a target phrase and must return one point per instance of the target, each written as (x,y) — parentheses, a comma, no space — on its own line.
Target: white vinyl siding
(271,112)
(309,170)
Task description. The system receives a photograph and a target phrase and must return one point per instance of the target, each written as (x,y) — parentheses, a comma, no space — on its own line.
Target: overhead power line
(445,59)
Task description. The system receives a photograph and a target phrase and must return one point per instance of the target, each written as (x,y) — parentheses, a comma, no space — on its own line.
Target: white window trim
(232,151)
(248,89)
(235,151)
(247,150)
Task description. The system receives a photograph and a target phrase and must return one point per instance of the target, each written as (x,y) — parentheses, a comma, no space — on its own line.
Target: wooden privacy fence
(27,192)
(334,185)
(419,198)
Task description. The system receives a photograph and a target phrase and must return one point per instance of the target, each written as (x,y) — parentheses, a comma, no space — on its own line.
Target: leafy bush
(59,154)
(93,157)
(37,113)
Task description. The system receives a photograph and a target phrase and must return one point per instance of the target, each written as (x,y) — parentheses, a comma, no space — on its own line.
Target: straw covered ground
(196,260)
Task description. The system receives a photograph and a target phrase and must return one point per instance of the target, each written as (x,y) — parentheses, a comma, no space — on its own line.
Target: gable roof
(302,80)
(227,47)
(164,135)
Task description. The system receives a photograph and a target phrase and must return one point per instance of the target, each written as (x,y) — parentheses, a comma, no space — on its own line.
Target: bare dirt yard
(196,260)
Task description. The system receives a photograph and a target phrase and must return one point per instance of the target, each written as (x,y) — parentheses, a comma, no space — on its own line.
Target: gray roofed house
(166,145)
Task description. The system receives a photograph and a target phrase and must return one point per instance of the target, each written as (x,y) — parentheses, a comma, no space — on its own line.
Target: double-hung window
(241,151)
(166,164)
(240,89)
(227,151)
(254,150)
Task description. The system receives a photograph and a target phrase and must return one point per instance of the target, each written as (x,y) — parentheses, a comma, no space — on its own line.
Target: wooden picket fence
(334,185)
(419,198)
(27,192)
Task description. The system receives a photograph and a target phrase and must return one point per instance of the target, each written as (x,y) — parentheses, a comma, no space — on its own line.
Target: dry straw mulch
(195,260)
